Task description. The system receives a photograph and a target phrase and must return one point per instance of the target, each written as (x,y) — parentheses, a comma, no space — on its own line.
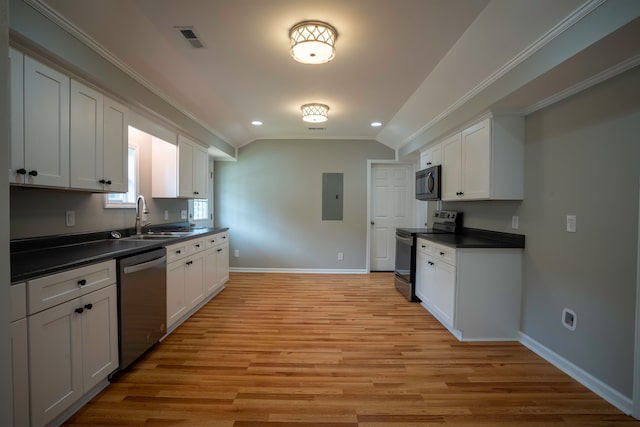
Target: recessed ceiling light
(256,123)
(376,124)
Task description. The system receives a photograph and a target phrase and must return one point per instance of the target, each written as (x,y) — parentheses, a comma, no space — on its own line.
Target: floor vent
(190,34)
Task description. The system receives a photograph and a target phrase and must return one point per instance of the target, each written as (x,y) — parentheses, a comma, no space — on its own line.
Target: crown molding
(546,38)
(76,32)
(585,84)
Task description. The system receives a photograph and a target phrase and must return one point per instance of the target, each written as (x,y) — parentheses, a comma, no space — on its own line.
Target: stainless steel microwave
(428,183)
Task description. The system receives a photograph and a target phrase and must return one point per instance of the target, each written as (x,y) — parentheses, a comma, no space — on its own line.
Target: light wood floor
(336,350)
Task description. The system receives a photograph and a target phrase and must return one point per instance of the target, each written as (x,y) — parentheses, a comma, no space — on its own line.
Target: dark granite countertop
(31,258)
(475,238)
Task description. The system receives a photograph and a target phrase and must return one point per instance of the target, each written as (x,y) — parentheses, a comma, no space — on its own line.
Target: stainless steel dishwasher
(142,303)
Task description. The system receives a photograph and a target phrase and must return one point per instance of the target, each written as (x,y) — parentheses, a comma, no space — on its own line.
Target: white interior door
(391,207)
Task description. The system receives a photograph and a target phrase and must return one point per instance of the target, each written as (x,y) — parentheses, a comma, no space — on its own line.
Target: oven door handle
(407,240)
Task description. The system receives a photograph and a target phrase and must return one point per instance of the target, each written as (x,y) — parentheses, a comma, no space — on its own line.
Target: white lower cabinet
(197,269)
(475,293)
(73,346)
(19,355)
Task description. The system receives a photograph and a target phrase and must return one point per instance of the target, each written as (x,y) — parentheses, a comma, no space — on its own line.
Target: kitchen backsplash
(42,212)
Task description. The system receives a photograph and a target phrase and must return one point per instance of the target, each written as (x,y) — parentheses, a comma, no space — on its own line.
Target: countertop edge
(79,262)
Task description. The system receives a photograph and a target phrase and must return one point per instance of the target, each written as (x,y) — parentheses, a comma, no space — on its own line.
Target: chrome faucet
(139,225)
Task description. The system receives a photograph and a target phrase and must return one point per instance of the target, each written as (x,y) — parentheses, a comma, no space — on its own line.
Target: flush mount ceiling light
(315,113)
(313,42)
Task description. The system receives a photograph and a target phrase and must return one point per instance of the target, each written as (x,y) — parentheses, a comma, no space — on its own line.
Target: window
(200,209)
(128,199)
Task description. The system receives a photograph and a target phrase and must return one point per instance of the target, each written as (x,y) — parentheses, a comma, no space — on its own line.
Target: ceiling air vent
(190,34)
(317,128)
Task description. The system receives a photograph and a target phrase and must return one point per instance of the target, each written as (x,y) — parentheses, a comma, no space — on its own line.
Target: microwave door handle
(431,183)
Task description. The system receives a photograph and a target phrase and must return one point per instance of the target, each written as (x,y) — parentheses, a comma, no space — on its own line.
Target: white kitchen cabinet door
(55,360)
(99,335)
(194,280)
(422,277)
(443,297)
(46,125)
(476,161)
(20,372)
(432,156)
(200,166)
(115,152)
(210,271)
(185,167)
(222,264)
(86,137)
(176,299)
(451,167)
(17,171)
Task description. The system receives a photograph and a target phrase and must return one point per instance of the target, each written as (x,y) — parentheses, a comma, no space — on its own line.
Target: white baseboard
(296,270)
(612,396)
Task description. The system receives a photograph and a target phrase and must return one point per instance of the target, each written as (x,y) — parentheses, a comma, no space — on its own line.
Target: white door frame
(370,164)
(636,366)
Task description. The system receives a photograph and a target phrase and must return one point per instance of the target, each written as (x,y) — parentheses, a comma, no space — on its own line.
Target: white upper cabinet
(39,123)
(192,169)
(485,161)
(16,158)
(179,172)
(98,141)
(432,156)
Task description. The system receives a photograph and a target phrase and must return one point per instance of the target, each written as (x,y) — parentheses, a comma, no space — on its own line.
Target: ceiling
(402,63)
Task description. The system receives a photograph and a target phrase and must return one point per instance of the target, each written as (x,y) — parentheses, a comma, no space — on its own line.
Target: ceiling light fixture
(315,113)
(376,124)
(313,42)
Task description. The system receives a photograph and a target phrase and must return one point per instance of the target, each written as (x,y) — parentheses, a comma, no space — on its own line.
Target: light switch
(70,219)
(571,223)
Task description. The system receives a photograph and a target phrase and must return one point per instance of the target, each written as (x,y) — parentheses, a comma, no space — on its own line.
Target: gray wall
(6,391)
(582,158)
(41,212)
(271,201)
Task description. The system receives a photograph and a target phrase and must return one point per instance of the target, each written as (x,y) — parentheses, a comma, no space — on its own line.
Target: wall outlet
(236,253)
(515,222)
(70,218)
(569,319)
(571,223)
(340,256)
(183,214)
(166,215)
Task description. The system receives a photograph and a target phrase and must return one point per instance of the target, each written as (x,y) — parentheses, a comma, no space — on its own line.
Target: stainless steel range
(405,269)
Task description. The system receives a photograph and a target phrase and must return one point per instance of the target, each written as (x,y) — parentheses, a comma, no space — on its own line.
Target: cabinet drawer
(444,253)
(216,240)
(18,301)
(425,247)
(195,245)
(176,251)
(57,288)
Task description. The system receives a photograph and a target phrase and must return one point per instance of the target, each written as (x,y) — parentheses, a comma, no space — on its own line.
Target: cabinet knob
(178,252)
(213,241)
(442,253)
(79,310)
(373,223)
(88,306)
(102,181)
(33,173)
(428,163)
(195,192)
(224,237)
(219,250)
(197,246)
(108,182)
(423,246)
(82,282)
(21,171)
(430,262)
(189,262)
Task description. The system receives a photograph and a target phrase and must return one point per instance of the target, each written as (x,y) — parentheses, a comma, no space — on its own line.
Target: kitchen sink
(170,233)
